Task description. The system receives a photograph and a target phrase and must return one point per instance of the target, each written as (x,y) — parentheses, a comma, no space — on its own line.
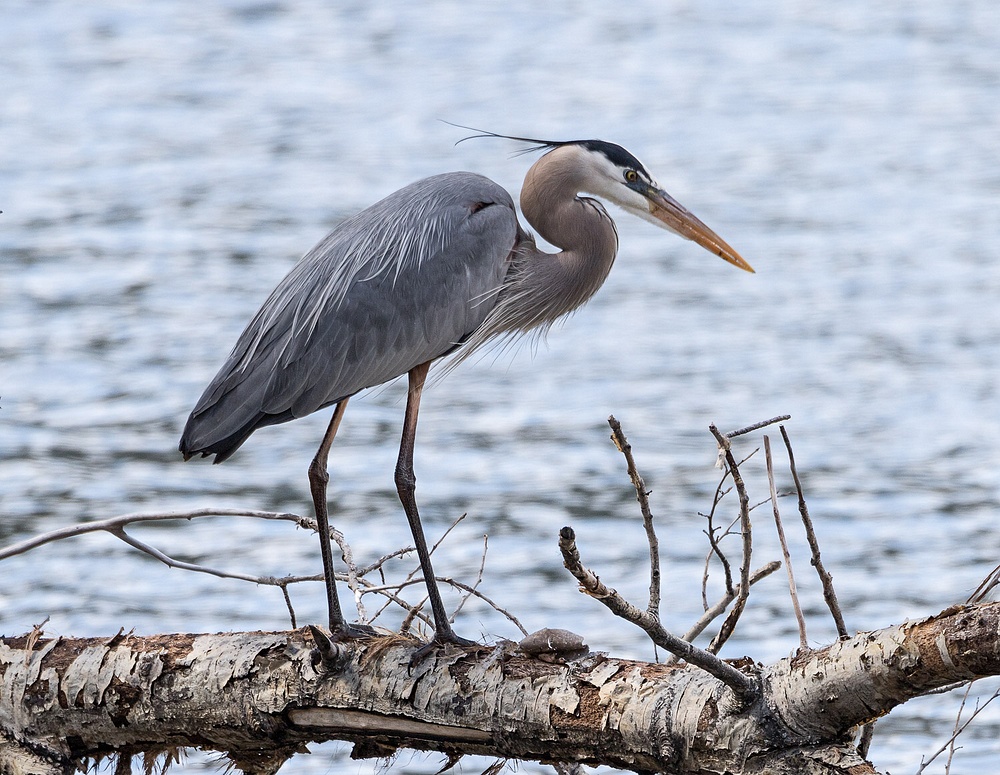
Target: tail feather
(198,437)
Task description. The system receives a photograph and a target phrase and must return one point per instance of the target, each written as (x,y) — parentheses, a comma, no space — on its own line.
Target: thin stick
(111,523)
(803,641)
(414,613)
(952,748)
(641,495)
(413,574)
(377,565)
(720,608)
(115,526)
(479,579)
(829,594)
(959,730)
(476,593)
(715,543)
(745,687)
(757,426)
(288,604)
(170,562)
(715,547)
(729,625)
(985,587)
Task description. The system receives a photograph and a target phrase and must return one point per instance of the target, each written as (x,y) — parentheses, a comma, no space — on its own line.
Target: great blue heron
(440,266)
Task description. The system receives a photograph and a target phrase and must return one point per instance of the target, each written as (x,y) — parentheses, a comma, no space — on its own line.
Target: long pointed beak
(678,219)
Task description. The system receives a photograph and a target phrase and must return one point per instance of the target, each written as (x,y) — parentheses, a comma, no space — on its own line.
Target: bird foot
(331,648)
(439,640)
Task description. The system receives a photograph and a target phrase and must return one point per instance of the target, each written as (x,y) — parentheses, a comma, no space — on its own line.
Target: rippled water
(163,165)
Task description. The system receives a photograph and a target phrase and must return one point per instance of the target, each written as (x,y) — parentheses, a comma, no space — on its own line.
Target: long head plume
(534,144)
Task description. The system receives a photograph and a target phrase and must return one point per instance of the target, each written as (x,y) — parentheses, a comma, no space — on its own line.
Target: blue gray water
(163,165)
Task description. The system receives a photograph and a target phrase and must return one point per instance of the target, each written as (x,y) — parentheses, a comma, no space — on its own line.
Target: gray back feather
(400,283)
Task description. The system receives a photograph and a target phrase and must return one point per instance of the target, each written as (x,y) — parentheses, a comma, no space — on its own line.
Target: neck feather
(541,287)
(579,225)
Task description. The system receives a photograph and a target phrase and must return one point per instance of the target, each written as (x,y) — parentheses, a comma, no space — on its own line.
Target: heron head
(611,172)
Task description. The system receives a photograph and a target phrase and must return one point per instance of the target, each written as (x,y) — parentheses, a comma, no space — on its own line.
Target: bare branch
(757,426)
(952,748)
(803,640)
(715,547)
(716,542)
(170,562)
(288,604)
(414,611)
(950,742)
(986,586)
(720,607)
(115,526)
(352,571)
(113,523)
(641,495)
(742,685)
(476,593)
(479,580)
(829,594)
(354,576)
(729,625)
(377,565)
(408,621)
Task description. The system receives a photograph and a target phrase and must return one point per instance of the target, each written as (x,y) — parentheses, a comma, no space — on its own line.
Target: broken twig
(803,641)
(641,495)
(829,594)
(745,687)
(729,625)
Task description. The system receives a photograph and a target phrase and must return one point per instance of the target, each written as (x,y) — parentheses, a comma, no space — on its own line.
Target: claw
(331,651)
(439,640)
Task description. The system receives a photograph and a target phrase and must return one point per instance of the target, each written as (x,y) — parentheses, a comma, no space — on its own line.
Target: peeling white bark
(260,697)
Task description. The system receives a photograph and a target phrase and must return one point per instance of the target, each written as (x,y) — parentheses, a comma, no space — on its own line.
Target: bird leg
(406,486)
(319,477)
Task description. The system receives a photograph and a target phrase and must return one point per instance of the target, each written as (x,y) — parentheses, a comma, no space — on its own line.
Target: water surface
(164,165)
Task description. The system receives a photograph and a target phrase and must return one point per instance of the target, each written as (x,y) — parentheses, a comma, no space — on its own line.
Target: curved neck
(579,226)
(539,288)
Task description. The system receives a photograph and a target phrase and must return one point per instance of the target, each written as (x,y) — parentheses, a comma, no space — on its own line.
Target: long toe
(442,639)
(356,631)
(451,637)
(331,647)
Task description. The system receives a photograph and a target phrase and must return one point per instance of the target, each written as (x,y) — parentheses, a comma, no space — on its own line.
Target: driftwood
(261,697)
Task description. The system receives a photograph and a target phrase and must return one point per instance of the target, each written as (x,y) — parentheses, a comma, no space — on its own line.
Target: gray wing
(400,283)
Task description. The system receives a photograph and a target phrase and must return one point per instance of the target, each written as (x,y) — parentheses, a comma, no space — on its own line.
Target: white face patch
(610,173)
(606,179)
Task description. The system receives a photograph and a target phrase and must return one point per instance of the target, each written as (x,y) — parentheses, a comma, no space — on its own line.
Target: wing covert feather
(400,283)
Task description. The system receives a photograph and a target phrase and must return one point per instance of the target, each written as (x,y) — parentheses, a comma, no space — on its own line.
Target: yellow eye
(631,176)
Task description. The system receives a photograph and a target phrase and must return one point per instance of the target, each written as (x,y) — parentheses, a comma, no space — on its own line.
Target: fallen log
(260,697)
